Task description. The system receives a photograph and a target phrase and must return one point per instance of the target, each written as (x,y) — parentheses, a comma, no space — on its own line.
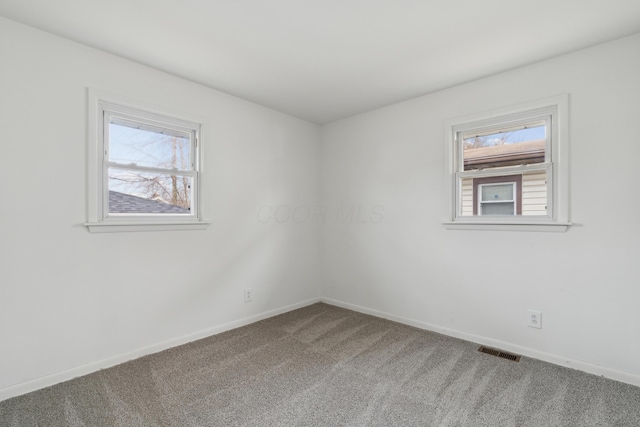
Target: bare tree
(487,141)
(169,188)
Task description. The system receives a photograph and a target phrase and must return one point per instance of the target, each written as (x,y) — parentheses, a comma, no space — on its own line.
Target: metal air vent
(499,353)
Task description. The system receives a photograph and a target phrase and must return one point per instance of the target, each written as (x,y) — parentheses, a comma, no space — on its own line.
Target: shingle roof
(507,154)
(126,203)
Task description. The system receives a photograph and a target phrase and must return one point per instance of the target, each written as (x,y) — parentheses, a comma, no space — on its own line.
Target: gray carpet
(326,366)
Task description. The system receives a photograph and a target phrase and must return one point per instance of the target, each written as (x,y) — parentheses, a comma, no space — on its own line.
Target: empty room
(318,213)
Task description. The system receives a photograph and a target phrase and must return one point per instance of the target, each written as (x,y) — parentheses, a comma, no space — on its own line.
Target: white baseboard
(580,365)
(58,377)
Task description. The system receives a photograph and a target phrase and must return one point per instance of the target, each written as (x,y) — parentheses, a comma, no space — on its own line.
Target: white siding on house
(467,197)
(534,194)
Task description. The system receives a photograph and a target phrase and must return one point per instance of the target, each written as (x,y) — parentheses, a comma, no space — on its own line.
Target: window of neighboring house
(500,195)
(143,169)
(510,169)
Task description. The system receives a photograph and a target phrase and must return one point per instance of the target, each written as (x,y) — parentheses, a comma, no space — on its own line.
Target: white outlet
(534,319)
(248,295)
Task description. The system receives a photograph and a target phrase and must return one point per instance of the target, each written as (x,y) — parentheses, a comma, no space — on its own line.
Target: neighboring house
(126,203)
(529,189)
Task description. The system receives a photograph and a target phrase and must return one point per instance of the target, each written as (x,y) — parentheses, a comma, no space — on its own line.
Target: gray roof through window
(126,203)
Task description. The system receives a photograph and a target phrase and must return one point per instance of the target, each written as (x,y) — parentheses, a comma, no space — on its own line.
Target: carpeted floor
(326,366)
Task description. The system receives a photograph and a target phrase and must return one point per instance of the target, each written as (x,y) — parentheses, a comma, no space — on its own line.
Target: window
(498,195)
(143,169)
(509,169)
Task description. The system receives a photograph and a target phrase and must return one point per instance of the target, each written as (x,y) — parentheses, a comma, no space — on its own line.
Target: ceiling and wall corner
(71,300)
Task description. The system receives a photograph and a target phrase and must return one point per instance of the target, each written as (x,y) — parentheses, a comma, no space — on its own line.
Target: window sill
(554,227)
(118,227)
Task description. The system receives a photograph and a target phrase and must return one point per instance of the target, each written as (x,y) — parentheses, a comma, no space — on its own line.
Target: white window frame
(513,201)
(102,106)
(554,111)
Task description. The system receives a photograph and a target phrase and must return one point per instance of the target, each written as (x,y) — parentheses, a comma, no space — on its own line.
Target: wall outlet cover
(534,319)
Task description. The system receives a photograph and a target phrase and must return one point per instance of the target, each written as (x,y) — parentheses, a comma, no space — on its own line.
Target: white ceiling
(322,60)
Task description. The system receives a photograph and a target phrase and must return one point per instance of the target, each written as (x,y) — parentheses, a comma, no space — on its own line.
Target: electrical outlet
(248,295)
(534,319)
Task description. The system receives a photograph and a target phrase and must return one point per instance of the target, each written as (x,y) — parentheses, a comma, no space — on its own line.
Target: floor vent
(499,353)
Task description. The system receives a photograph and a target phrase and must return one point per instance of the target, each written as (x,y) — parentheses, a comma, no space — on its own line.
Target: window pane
(150,146)
(534,194)
(502,208)
(133,191)
(497,192)
(521,145)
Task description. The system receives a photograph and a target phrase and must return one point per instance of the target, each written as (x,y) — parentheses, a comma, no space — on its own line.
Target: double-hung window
(143,169)
(509,169)
(498,195)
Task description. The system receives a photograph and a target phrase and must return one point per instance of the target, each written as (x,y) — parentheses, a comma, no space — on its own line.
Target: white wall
(70,298)
(479,284)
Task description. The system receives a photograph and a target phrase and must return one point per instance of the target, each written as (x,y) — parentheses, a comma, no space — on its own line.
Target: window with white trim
(509,169)
(498,195)
(143,169)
